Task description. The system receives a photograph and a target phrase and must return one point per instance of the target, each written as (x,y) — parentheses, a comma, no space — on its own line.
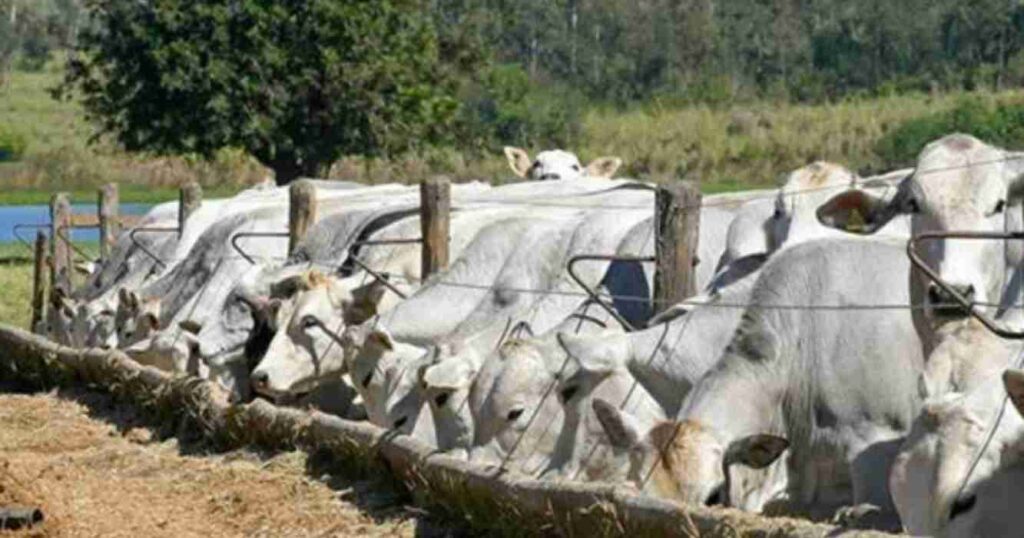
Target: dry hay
(483,499)
(90,478)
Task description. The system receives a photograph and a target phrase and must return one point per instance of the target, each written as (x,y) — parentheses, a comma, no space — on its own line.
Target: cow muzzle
(945,305)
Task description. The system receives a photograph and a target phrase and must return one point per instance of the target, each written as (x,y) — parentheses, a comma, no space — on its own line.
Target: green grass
(16,300)
(724,149)
(16,281)
(59,155)
(128,194)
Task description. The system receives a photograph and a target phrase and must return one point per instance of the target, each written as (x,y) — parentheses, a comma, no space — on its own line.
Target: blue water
(40,214)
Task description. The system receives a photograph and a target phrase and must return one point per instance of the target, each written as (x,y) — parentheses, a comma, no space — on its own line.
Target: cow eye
(514,414)
(962,506)
(778,214)
(366,380)
(568,392)
(576,167)
(913,206)
(308,321)
(1000,206)
(441,399)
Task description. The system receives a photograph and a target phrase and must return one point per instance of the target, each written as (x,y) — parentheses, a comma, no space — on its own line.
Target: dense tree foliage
(297,84)
(710,50)
(31,30)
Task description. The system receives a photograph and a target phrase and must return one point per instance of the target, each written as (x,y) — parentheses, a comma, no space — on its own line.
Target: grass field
(15,300)
(16,281)
(725,149)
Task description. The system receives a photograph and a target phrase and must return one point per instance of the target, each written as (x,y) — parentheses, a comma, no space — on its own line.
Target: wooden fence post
(435,214)
(302,211)
(677,217)
(190,197)
(39,281)
(60,248)
(109,215)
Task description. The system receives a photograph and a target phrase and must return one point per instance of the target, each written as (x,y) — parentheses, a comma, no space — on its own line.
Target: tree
(297,84)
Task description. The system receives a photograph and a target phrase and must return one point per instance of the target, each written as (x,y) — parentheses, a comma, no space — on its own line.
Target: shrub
(12,145)
(1000,124)
(505,107)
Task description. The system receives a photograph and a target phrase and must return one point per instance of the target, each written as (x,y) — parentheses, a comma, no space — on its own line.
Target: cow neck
(676,354)
(735,400)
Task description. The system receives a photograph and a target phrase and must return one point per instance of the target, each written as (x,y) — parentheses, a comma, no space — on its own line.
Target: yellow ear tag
(856,221)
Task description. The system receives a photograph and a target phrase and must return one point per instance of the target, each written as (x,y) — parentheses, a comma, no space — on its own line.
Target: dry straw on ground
(92,478)
(481,498)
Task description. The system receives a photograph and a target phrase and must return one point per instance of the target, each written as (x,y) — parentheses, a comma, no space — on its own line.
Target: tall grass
(15,302)
(725,148)
(757,144)
(58,154)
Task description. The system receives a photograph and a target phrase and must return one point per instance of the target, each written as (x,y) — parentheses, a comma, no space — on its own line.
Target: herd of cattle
(816,373)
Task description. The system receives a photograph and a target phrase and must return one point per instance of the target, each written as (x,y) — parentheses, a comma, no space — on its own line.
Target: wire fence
(529,315)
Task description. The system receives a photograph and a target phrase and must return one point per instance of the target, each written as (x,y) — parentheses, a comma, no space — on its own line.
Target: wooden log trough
(473,495)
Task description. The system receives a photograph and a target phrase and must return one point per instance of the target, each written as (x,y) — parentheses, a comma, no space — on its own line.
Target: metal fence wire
(589,296)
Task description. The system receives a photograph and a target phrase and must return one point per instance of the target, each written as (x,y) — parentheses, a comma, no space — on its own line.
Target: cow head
(596,371)
(959,184)
(375,361)
(95,324)
(136,317)
(686,461)
(61,317)
(446,387)
(306,348)
(558,164)
(934,478)
(512,386)
(805,189)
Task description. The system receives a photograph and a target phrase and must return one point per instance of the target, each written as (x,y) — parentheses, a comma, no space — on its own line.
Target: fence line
(478,496)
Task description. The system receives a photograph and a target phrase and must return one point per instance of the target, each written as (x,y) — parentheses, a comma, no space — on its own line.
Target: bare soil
(94,472)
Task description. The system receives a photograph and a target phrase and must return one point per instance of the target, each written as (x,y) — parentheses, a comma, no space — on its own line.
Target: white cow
(837,386)
(513,395)
(667,358)
(960,184)
(558,164)
(583,448)
(965,401)
(991,507)
(934,474)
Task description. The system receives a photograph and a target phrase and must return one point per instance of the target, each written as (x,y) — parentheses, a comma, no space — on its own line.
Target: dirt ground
(94,473)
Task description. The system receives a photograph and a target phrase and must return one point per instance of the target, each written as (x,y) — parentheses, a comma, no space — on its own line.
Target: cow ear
(85,268)
(756,451)
(289,286)
(1013,380)
(621,428)
(518,160)
(273,308)
(520,328)
(448,375)
(925,387)
(152,320)
(190,326)
(592,354)
(381,338)
(604,167)
(855,211)
(366,302)
(128,298)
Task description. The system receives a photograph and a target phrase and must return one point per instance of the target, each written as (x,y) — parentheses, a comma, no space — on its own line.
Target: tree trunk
(288,169)
(285,170)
